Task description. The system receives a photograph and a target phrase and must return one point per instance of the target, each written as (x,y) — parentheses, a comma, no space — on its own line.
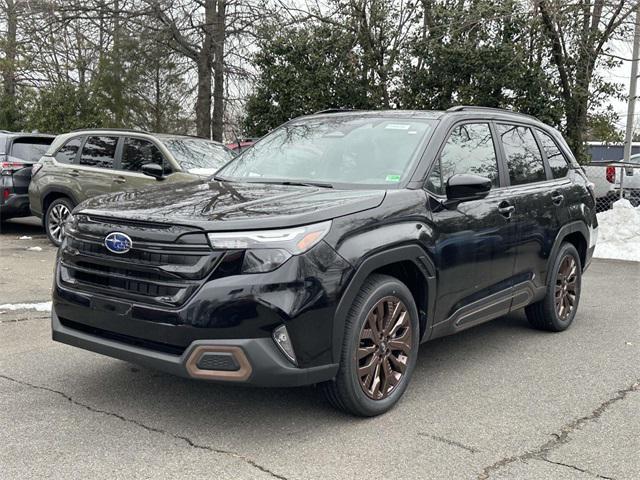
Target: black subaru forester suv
(330,250)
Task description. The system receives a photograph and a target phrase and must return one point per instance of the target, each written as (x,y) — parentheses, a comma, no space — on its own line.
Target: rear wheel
(379,351)
(57,213)
(558,309)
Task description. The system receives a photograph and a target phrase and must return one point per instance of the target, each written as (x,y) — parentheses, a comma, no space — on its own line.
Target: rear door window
(137,152)
(555,157)
(69,151)
(524,160)
(99,151)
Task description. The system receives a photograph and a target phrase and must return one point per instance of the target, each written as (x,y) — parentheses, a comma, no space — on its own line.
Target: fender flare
(413,253)
(572,227)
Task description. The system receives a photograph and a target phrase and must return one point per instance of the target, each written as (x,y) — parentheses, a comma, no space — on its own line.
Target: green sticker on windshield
(393,178)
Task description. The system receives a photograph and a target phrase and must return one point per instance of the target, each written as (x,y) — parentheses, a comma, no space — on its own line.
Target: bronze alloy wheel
(384,348)
(566,287)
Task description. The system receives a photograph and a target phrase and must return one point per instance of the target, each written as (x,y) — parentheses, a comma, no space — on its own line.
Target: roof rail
(112,130)
(460,108)
(335,110)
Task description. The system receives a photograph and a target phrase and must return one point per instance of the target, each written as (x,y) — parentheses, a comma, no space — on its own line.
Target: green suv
(86,163)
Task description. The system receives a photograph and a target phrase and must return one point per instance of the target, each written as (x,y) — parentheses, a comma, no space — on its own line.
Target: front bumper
(258,360)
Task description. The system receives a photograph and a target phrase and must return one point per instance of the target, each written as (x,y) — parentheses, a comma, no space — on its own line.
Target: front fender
(411,252)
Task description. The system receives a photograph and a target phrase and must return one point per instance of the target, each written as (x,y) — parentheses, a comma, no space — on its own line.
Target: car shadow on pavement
(22,226)
(177,404)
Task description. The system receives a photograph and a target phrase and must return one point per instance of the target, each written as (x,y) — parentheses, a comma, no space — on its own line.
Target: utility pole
(631,109)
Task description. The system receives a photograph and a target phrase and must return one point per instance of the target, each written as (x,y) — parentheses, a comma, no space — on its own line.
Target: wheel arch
(411,265)
(51,194)
(576,233)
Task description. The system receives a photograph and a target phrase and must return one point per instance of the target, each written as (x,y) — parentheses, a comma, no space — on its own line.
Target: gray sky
(621,75)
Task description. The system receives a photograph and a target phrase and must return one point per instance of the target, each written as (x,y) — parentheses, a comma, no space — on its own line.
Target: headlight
(268,249)
(70,223)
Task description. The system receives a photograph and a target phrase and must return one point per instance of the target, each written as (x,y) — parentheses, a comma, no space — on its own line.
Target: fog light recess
(283,341)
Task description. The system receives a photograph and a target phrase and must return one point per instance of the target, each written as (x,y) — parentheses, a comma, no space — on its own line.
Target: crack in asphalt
(577,468)
(561,438)
(450,442)
(185,439)
(26,319)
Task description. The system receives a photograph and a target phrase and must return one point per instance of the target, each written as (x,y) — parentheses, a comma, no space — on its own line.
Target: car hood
(203,172)
(213,205)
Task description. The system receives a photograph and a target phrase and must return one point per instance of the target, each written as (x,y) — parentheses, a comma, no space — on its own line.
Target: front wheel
(557,310)
(379,351)
(55,217)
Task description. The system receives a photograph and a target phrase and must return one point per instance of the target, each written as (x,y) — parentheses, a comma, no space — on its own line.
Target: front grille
(224,361)
(119,337)
(150,273)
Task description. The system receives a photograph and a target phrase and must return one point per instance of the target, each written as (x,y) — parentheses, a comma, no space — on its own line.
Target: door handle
(119,180)
(74,173)
(506,209)
(557,198)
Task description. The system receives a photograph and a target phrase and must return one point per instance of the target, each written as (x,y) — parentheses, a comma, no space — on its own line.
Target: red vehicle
(241,144)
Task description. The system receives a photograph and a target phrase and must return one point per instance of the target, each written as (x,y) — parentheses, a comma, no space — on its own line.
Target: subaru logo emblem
(118,242)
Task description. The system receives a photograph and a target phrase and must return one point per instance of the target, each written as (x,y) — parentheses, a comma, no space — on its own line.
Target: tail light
(611,174)
(11,165)
(5,193)
(36,168)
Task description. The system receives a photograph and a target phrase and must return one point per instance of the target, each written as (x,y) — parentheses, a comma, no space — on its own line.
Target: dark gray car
(18,153)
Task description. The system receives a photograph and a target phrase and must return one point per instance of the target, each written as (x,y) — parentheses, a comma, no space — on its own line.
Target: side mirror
(153,170)
(464,188)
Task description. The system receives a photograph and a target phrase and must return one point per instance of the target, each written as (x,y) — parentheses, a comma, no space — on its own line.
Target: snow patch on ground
(619,232)
(25,237)
(39,307)
(35,249)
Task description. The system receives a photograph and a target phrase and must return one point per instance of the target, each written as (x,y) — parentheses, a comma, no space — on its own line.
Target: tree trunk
(203,101)
(218,71)
(9,74)
(205,63)
(157,101)
(576,112)
(117,87)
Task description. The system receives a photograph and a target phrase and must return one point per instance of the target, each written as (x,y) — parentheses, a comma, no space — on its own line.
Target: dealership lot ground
(498,401)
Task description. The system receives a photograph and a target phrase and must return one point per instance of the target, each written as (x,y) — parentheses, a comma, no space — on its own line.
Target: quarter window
(469,149)
(557,161)
(137,152)
(524,159)
(69,151)
(99,152)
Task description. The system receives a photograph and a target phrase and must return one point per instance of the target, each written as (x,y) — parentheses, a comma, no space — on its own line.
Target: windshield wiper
(299,183)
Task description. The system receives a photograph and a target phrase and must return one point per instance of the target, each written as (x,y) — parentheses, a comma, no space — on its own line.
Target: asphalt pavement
(498,401)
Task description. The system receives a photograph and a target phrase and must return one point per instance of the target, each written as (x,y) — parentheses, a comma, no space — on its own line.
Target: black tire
(546,314)
(345,392)
(53,218)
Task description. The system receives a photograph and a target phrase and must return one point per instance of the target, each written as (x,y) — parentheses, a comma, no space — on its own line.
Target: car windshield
(30,150)
(194,154)
(342,149)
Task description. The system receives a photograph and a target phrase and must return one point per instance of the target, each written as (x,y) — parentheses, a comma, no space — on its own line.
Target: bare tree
(9,46)
(578,32)
(198,34)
